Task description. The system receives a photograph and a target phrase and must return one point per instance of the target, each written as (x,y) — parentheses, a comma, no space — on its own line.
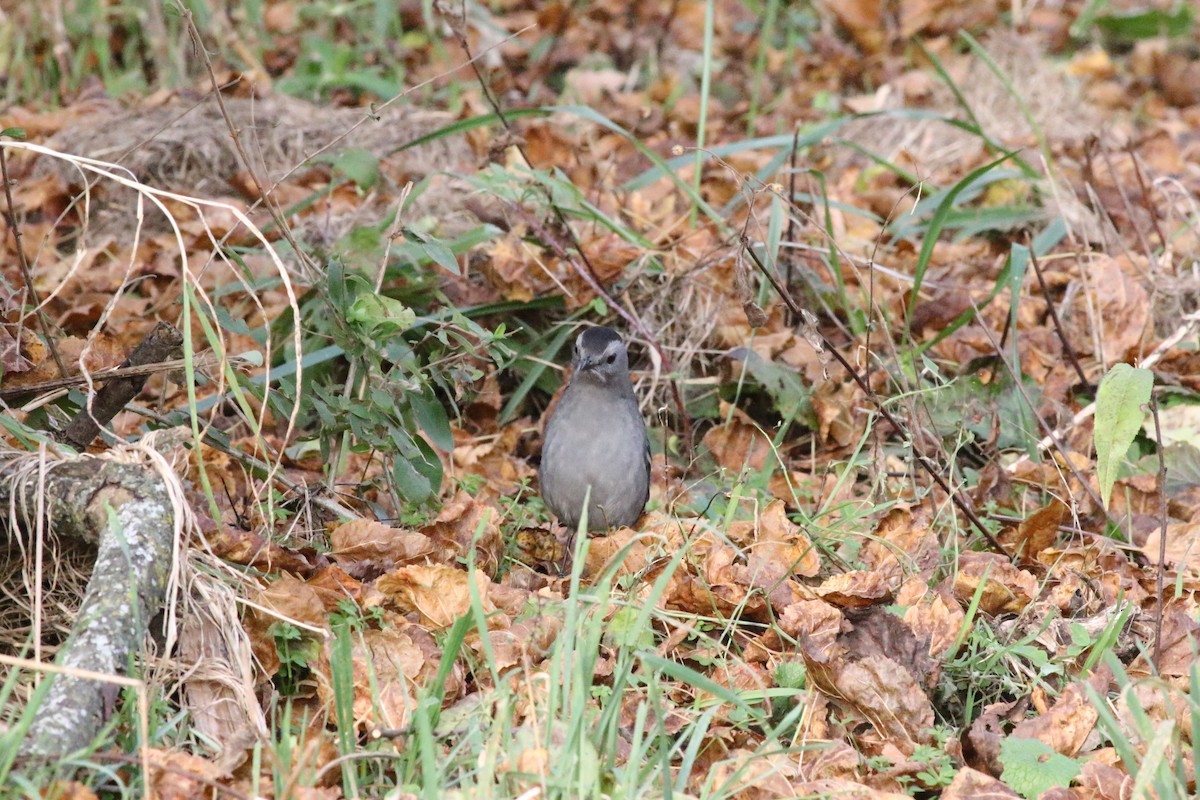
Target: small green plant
(295,651)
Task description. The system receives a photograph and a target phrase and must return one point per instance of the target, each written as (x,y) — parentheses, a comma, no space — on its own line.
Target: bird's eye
(611,358)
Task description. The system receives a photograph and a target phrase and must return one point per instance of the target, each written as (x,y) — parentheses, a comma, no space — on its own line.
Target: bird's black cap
(596,340)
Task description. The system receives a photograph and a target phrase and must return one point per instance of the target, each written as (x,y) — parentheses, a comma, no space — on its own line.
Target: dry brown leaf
(815,622)
(902,545)
(1183,546)
(780,547)
(1066,725)
(68,790)
(1006,589)
(171,775)
(738,444)
(1112,312)
(467,524)
(438,594)
(389,663)
(1036,532)
(855,589)
(969,784)
(881,691)
(937,618)
(840,418)
(369,539)
(1099,779)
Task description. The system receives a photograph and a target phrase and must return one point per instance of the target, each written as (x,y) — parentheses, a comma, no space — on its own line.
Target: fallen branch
(126,509)
(161,344)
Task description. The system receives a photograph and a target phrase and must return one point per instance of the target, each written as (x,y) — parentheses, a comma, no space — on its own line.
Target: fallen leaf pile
(983,215)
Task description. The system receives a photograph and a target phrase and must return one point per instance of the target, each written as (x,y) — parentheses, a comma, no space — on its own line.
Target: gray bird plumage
(596,438)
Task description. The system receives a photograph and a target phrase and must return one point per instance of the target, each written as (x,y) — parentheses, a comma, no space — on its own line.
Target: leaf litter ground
(798,605)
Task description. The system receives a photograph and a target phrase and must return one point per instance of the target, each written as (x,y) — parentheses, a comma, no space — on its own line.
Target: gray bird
(596,438)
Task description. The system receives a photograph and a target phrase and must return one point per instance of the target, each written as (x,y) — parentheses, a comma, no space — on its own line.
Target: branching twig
(583,264)
(924,461)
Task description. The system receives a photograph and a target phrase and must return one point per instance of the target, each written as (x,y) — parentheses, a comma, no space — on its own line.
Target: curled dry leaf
(855,589)
(287,598)
(1112,312)
(98,352)
(816,623)
(657,536)
(525,642)
(388,664)
(1036,532)
(1180,631)
(1183,546)
(464,524)
(1103,781)
(1066,725)
(1006,589)
(879,632)
(970,784)
(493,457)
(937,618)
(780,547)
(903,545)
(840,419)
(334,586)
(74,790)
(367,539)
(175,774)
(883,692)
(1104,567)
(739,443)
(438,594)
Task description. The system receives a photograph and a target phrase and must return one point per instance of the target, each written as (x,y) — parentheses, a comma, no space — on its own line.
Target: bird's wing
(649,474)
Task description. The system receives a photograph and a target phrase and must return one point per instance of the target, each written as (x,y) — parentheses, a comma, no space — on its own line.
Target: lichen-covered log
(126,510)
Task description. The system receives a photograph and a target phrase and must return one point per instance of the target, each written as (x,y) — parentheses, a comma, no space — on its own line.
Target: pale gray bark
(126,510)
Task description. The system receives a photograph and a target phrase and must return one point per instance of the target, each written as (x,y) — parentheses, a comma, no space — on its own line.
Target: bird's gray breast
(599,441)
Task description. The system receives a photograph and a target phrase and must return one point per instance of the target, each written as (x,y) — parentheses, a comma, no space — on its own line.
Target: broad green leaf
(1031,766)
(1147,23)
(1119,415)
(378,315)
(435,249)
(431,416)
(357,164)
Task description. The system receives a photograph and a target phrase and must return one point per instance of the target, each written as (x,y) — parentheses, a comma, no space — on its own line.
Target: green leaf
(378,315)
(624,631)
(13,133)
(412,485)
(1031,766)
(435,250)
(1119,415)
(431,416)
(1146,24)
(357,164)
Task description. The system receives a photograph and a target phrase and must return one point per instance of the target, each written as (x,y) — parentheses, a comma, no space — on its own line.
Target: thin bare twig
(582,264)
(1162,538)
(10,219)
(1191,323)
(930,468)
(201,362)
(1058,326)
